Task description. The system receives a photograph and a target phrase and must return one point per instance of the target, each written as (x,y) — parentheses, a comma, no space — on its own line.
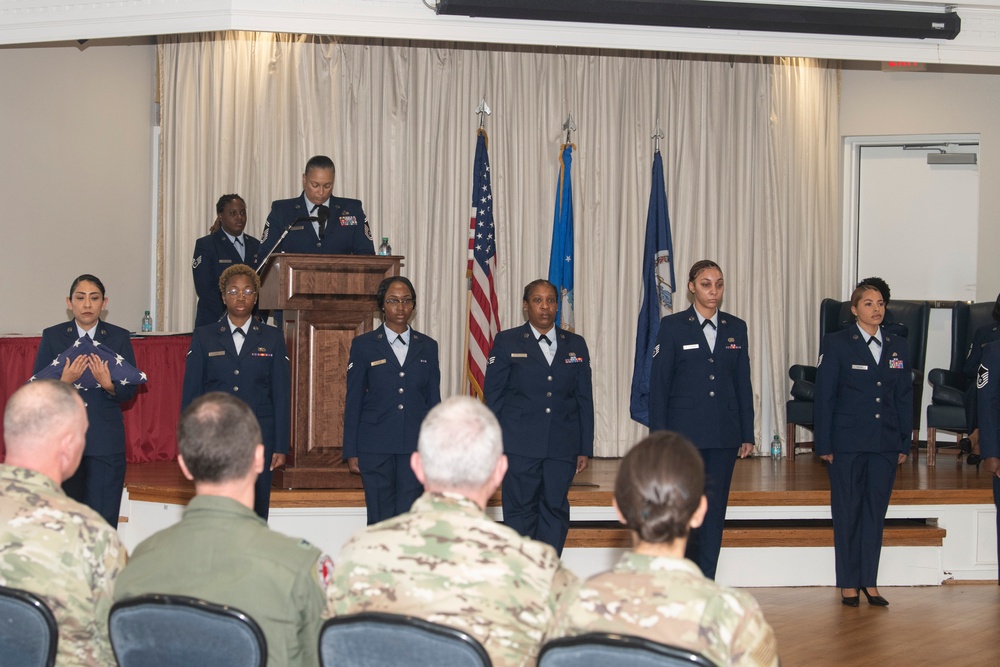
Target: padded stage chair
(911,316)
(599,649)
(377,639)
(29,636)
(179,631)
(948,387)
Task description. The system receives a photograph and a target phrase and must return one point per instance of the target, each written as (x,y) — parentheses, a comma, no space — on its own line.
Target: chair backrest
(375,639)
(965,319)
(29,636)
(914,315)
(178,631)
(598,649)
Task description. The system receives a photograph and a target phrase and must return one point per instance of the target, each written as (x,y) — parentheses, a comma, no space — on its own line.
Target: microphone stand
(284,233)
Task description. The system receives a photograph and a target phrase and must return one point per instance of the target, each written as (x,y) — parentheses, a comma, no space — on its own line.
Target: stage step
(764,534)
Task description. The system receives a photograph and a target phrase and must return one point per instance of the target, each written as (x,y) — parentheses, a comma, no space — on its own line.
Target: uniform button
(878,416)
(236,372)
(548,410)
(711,360)
(711,377)
(402,374)
(400,390)
(400,406)
(548,394)
(878,400)
(878,384)
(319,245)
(711,393)
(236,388)
(549,378)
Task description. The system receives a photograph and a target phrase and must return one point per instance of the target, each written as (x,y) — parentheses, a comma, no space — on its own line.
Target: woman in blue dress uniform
(699,386)
(248,359)
(863,422)
(393,380)
(988,393)
(538,384)
(99,480)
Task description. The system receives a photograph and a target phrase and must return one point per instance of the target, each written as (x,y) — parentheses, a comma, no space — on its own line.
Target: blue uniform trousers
(705,543)
(860,486)
(535,501)
(390,485)
(98,484)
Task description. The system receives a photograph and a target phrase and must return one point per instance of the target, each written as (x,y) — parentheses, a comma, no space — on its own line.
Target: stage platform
(941,523)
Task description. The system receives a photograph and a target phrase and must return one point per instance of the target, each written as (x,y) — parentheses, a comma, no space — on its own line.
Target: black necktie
(706,323)
(545,339)
(240,331)
(875,340)
(321,212)
(400,340)
(238,242)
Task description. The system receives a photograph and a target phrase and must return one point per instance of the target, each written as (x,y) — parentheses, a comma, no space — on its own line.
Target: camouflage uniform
(65,553)
(669,600)
(224,553)
(447,562)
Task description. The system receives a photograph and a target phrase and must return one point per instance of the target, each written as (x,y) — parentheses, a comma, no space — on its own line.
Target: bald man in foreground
(53,546)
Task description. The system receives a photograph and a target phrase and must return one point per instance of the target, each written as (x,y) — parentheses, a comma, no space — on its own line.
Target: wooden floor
(950,625)
(756,482)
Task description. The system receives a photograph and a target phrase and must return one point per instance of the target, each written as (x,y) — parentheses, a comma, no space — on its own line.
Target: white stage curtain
(750,156)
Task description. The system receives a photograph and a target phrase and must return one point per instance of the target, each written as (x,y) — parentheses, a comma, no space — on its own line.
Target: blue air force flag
(561,257)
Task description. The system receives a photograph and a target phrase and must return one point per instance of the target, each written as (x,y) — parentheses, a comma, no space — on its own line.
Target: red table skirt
(150,417)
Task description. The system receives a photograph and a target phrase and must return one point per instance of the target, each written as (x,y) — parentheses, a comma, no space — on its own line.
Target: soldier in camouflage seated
(445,560)
(53,546)
(653,591)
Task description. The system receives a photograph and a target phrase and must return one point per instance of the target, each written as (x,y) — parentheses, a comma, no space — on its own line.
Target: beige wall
(883,103)
(76,127)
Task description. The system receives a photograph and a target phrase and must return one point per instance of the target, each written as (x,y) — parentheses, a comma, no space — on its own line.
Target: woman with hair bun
(699,386)
(653,591)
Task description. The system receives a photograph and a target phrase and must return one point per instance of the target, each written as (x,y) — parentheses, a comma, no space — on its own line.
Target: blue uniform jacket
(861,406)
(213,254)
(387,402)
(347,231)
(984,334)
(260,375)
(544,411)
(988,395)
(704,395)
(106,432)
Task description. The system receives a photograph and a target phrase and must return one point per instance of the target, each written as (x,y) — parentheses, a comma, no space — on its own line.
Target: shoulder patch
(196,262)
(324,571)
(982,376)
(656,349)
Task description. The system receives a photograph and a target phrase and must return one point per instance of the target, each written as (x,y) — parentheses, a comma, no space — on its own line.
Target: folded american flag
(122,372)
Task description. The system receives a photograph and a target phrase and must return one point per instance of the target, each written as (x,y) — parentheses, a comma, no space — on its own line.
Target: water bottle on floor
(776,447)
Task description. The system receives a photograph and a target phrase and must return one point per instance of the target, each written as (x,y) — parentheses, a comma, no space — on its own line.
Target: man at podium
(317,222)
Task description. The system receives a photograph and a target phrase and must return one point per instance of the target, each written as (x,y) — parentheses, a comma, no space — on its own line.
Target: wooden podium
(327,300)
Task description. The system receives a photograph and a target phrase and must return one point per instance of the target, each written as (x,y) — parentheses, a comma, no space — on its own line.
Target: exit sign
(903,66)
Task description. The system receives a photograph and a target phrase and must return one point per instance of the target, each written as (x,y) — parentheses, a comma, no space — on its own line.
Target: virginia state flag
(561,257)
(657,291)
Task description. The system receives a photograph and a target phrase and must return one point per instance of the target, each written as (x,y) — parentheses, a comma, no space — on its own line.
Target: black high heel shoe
(852,601)
(974,460)
(965,446)
(875,600)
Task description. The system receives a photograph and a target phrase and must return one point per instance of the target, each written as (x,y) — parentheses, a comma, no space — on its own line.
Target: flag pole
(483,110)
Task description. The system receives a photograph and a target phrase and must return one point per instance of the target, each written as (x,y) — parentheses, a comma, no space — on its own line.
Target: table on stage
(150,417)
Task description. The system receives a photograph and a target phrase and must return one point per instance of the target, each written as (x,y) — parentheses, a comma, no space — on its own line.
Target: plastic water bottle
(384,248)
(147,323)
(776,447)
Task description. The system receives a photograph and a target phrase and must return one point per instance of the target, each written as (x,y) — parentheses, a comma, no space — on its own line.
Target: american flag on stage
(484,314)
